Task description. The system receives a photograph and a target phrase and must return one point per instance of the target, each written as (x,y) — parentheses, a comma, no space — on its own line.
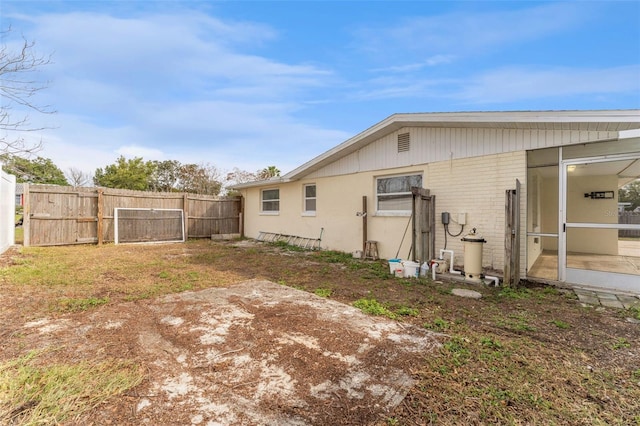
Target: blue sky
(250,84)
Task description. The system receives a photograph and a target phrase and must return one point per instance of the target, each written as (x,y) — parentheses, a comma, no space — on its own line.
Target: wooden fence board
(59,215)
(629,218)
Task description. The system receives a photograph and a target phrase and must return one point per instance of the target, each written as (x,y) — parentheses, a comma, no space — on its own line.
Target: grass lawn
(532,355)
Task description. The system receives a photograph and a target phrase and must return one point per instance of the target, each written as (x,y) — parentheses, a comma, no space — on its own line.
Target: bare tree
(237,176)
(200,179)
(77,177)
(18,86)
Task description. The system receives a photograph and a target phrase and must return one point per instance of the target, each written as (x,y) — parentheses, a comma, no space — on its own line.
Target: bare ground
(250,344)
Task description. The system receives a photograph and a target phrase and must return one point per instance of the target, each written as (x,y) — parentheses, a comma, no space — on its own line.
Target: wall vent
(404,143)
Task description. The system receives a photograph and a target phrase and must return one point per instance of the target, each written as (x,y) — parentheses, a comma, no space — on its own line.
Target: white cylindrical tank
(473,256)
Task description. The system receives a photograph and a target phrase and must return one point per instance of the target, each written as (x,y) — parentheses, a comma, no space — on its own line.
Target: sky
(251,84)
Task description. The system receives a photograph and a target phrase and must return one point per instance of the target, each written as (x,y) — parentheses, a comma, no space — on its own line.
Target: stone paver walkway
(608,300)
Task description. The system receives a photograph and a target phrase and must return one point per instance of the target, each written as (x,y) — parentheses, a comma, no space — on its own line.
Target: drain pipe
(433,270)
(496,280)
(451,270)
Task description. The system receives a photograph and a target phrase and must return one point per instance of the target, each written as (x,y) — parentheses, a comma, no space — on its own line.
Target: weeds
(456,348)
(490,343)
(373,307)
(516,322)
(332,256)
(366,269)
(322,292)
(438,324)
(560,324)
(515,293)
(620,343)
(77,305)
(407,311)
(32,394)
(286,246)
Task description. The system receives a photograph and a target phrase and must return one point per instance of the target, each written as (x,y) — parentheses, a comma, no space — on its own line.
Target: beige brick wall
(476,186)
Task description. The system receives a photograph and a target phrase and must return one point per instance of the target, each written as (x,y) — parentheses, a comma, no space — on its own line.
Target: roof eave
(258,183)
(470,119)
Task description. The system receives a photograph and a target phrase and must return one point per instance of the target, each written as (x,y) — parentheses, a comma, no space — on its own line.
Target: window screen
(394,193)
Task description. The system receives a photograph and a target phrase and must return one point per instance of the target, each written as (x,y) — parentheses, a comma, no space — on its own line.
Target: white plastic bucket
(393,265)
(411,269)
(399,271)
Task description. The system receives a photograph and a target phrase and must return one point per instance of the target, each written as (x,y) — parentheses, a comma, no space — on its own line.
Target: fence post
(100,227)
(185,212)
(241,218)
(26,215)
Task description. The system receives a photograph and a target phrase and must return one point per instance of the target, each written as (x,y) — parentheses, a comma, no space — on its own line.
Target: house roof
(603,120)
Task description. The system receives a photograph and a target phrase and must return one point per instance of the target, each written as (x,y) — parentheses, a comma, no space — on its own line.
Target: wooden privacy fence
(63,215)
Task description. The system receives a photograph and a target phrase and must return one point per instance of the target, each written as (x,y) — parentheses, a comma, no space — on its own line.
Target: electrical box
(445,218)
(462,218)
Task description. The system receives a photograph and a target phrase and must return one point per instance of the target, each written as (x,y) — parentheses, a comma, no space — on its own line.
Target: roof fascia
(258,183)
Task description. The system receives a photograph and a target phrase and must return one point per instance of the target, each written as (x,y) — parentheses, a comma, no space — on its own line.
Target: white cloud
(462,33)
(516,83)
(165,55)
(510,84)
(430,62)
(173,87)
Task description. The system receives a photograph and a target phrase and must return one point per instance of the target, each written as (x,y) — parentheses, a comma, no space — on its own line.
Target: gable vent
(404,143)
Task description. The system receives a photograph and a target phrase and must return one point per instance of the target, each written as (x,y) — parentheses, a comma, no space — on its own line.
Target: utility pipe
(451,270)
(433,270)
(496,280)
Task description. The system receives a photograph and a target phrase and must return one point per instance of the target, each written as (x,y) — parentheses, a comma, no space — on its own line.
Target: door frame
(583,276)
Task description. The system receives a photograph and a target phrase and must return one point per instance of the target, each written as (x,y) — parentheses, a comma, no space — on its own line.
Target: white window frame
(306,212)
(262,201)
(395,212)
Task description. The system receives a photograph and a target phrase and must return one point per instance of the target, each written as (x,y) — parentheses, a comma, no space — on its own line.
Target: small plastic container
(399,271)
(424,269)
(393,264)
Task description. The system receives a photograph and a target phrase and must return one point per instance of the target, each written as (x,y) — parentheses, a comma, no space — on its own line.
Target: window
(270,200)
(393,194)
(310,199)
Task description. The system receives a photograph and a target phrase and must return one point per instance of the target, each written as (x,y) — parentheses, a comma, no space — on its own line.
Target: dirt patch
(253,353)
